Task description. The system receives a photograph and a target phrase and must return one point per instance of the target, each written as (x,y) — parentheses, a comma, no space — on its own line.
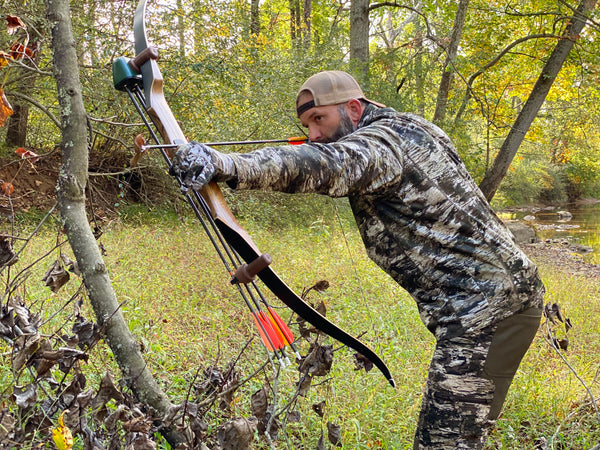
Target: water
(582,228)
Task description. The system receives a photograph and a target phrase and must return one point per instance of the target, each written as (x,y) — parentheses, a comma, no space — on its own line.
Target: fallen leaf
(27,154)
(7,188)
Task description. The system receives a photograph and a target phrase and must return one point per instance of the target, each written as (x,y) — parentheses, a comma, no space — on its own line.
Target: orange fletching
(297,140)
(282,326)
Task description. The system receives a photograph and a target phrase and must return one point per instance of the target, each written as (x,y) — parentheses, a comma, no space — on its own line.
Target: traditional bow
(231,241)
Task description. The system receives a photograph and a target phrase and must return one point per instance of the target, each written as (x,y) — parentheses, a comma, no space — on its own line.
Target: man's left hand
(197,164)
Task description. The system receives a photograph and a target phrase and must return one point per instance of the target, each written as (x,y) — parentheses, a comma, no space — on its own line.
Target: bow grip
(142,57)
(246,273)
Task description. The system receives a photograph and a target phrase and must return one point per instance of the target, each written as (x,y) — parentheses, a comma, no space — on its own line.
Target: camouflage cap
(330,87)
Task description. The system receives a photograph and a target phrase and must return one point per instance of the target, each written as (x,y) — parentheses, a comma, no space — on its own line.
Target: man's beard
(344,129)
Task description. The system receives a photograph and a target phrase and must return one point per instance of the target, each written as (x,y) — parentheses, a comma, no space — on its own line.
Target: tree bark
(448,69)
(71,184)
(306,18)
(254,18)
(419,70)
(180,25)
(294,22)
(359,39)
(508,150)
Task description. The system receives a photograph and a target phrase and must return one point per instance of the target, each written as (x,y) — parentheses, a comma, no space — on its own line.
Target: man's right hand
(197,164)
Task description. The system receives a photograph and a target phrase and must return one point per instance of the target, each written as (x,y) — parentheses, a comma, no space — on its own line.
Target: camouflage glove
(196,164)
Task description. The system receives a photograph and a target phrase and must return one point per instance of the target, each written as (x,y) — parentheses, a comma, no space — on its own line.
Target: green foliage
(533,179)
(225,83)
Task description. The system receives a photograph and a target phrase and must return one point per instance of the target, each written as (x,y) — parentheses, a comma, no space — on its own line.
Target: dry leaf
(18,51)
(7,188)
(5,108)
(56,276)
(13,23)
(237,434)
(4,59)
(61,435)
(334,434)
(27,154)
(362,362)
(319,408)
(318,360)
(259,402)
(8,257)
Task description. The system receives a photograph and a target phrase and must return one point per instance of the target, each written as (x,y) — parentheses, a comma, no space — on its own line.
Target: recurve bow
(142,73)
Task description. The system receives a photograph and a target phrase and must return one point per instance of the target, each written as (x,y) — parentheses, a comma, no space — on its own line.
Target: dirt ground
(111,181)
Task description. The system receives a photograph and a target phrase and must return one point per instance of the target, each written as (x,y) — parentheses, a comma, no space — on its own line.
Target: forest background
(231,72)
(233,69)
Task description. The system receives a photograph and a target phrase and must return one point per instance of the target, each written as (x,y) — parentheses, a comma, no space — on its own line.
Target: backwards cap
(330,87)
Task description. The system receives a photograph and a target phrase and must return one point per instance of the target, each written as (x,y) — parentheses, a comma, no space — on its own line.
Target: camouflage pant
(469,377)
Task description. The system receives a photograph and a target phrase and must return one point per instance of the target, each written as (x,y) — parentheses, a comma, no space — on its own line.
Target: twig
(548,336)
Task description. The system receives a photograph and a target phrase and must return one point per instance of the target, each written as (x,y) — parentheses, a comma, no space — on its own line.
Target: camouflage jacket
(421,216)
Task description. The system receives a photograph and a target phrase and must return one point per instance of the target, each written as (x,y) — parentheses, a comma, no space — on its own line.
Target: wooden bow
(143,71)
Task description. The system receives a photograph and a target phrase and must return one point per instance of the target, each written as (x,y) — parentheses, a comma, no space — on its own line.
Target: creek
(580,227)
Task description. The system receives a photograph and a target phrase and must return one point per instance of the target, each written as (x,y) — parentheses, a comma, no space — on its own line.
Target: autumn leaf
(62,436)
(5,108)
(7,188)
(4,59)
(18,50)
(27,154)
(13,23)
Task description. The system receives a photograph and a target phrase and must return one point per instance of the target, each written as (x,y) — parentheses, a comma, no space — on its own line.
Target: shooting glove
(196,164)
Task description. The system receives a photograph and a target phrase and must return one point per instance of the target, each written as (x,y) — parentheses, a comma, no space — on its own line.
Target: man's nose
(314,134)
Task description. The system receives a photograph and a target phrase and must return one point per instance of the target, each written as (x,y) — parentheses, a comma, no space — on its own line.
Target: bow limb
(234,234)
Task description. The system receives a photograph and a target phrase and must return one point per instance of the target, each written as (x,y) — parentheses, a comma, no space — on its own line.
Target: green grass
(180,306)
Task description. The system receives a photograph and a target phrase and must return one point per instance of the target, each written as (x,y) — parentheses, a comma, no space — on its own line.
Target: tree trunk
(254,18)
(181,27)
(294,22)
(16,132)
(508,150)
(419,70)
(448,69)
(71,199)
(359,39)
(306,32)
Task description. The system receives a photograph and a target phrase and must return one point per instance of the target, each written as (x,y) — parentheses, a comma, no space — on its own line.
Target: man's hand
(196,164)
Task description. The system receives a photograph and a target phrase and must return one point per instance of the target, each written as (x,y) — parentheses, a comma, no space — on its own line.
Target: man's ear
(355,109)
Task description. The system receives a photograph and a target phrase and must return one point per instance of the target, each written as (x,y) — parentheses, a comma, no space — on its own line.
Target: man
(424,221)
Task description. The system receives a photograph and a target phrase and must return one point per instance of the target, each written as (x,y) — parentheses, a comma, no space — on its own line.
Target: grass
(180,306)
